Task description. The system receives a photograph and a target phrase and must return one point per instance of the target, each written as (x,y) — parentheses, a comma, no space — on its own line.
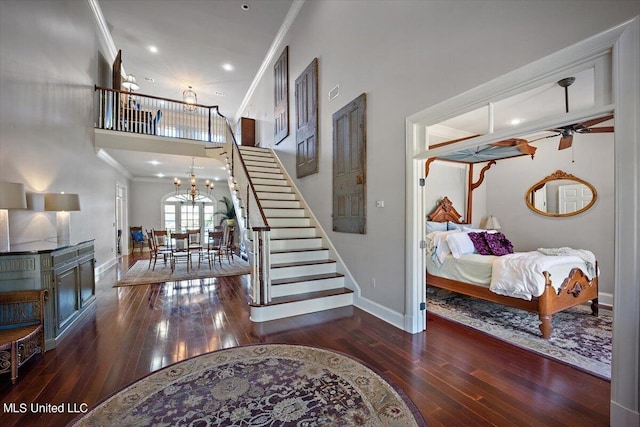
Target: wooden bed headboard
(445,212)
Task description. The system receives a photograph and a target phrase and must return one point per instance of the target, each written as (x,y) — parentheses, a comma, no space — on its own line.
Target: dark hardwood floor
(454,375)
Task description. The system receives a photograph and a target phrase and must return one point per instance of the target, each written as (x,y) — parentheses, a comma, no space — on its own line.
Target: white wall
(146,197)
(508,181)
(407,56)
(49,65)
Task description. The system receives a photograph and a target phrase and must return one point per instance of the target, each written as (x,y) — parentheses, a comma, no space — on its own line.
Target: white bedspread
(520,275)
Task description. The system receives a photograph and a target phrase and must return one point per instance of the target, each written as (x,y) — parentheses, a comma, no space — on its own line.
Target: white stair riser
(262,195)
(280,213)
(266,163)
(255,175)
(287,257)
(263,167)
(289,222)
(302,270)
(292,233)
(289,244)
(275,182)
(272,188)
(280,204)
(307,286)
(266,313)
(251,149)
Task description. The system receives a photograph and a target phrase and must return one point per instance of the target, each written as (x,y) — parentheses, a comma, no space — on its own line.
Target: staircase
(303,277)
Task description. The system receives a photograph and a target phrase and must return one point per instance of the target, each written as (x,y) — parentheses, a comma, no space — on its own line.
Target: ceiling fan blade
(601,129)
(592,122)
(509,142)
(565,142)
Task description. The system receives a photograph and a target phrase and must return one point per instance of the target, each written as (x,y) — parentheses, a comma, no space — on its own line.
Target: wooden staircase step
(308,296)
(302,263)
(290,280)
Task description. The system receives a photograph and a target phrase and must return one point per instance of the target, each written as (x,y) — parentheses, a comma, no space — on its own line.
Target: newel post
(260,274)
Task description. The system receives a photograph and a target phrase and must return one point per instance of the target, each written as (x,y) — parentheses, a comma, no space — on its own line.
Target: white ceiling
(194,39)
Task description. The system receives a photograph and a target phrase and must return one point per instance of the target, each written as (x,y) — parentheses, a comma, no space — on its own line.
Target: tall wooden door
(307,121)
(281,96)
(350,167)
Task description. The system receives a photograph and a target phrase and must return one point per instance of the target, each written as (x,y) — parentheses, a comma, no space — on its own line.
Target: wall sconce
(62,204)
(492,223)
(12,196)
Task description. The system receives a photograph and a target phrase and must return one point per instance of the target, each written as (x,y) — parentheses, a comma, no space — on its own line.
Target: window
(179,215)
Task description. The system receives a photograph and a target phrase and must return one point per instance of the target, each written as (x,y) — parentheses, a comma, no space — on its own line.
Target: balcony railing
(152,115)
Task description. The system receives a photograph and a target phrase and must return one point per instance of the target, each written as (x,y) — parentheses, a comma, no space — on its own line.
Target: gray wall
(408,56)
(49,64)
(593,158)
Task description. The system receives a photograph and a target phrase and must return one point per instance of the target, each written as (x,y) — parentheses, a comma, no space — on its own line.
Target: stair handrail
(261,265)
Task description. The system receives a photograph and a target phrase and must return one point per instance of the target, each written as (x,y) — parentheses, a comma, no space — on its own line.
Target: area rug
(577,338)
(259,385)
(141,274)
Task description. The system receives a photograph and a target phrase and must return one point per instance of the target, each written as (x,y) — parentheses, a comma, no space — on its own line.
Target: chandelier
(190,99)
(192,193)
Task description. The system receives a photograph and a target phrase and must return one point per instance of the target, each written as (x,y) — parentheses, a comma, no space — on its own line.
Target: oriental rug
(577,338)
(141,274)
(259,385)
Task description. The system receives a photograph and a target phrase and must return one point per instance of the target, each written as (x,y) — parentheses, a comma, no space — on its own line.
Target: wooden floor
(454,375)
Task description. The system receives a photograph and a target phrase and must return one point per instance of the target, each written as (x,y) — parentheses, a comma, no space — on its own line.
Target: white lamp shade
(61,202)
(12,196)
(492,223)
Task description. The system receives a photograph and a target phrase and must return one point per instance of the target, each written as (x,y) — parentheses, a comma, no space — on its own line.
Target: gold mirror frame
(556,176)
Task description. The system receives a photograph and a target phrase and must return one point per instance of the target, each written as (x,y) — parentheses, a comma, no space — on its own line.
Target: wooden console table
(66,272)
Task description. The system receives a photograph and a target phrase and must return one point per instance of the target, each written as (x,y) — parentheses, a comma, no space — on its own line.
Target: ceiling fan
(568,131)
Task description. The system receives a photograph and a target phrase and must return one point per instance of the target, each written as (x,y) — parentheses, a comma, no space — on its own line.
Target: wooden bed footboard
(575,289)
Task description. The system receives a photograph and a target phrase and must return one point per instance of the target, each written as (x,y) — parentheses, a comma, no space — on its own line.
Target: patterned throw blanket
(587,256)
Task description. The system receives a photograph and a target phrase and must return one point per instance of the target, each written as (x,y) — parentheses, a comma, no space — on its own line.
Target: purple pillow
(498,244)
(480,243)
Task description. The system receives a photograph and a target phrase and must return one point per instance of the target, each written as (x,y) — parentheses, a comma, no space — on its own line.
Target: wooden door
(307,121)
(116,76)
(350,167)
(281,96)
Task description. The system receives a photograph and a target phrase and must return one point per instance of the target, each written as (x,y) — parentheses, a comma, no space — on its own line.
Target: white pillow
(460,244)
(435,226)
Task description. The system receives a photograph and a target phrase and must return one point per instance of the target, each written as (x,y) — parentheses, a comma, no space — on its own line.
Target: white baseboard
(623,417)
(105,266)
(605,299)
(393,317)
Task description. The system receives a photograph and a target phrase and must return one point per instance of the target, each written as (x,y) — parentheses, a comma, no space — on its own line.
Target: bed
(560,282)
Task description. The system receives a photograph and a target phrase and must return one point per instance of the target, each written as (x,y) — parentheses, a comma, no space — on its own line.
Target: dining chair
(214,247)
(162,243)
(153,250)
(180,250)
(227,243)
(195,244)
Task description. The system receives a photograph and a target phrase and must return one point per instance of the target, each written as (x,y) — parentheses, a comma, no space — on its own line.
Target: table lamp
(492,223)
(62,204)
(12,196)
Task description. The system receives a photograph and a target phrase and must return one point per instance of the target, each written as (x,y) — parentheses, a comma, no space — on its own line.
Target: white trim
(104,33)
(271,53)
(106,157)
(380,311)
(102,268)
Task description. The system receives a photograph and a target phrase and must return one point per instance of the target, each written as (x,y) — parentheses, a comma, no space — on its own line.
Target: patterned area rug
(141,274)
(259,385)
(577,338)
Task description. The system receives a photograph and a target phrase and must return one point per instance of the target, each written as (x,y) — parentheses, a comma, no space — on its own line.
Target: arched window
(180,215)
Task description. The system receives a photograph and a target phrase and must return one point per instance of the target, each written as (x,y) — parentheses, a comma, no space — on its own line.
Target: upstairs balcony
(139,115)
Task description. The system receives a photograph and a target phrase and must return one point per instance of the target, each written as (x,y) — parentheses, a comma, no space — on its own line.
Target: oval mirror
(560,194)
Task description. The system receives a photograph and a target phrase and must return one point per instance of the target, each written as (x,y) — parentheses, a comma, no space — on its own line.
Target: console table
(67,272)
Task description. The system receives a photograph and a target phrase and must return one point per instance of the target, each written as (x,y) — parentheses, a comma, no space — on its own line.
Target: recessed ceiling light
(515,122)
(245,7)
(153,49)
(154,162)
(227,67)
(160,175)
